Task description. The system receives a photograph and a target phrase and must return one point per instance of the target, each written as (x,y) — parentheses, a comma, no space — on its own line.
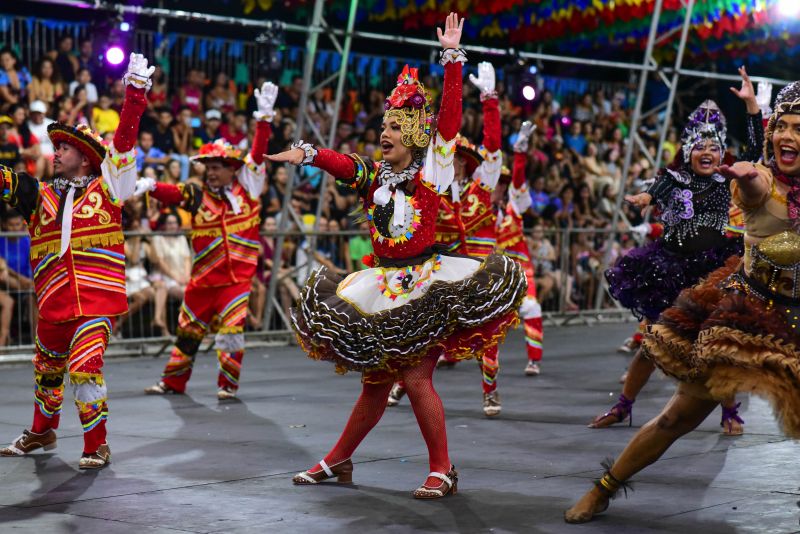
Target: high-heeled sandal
(620,411)
(449,482)
(729,416)
(343,471)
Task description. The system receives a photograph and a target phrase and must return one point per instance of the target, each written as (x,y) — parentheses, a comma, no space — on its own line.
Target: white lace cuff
(452,55)
(308,148)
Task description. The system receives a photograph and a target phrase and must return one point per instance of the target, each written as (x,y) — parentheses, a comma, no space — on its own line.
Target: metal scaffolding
(318,24)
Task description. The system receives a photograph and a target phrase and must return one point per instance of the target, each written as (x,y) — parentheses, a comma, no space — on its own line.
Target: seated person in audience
(171,261)
(84,78)
(16,253)
(146,154)
(140,290)
(104,117)
(6,307)
(9,150)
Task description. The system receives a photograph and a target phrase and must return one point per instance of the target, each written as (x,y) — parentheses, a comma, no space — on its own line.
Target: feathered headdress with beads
(409,104)
(705,123)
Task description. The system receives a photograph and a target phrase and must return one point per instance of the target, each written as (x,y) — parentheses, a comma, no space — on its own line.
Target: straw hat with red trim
(220,150)
(465,149)
(81,137)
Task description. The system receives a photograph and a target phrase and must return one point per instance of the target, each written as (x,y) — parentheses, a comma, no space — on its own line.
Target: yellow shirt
(105,120)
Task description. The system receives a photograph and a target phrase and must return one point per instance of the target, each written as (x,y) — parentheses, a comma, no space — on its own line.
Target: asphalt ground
(192,464)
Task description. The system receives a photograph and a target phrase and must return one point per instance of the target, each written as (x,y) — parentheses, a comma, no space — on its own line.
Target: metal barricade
(572,280)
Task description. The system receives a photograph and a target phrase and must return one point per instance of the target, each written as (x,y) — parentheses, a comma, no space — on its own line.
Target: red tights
(427,407)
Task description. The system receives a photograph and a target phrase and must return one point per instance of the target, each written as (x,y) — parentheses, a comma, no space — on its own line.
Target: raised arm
(119,166)
(20,191)
(485,82)
(453,59)
(489,171)
(439,171)
(252,174)
(757,105)
(518,194)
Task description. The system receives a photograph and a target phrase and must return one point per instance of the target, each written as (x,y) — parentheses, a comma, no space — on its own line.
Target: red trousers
(222,310)
(76,347)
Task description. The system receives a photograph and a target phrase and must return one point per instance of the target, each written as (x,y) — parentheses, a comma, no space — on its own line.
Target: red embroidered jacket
(468,226)
(226,244)
(89,279)
(416,235)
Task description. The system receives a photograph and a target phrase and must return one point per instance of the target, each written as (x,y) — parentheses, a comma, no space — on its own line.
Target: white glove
(641,229)
(265,101)
(763,96)
(524,135)
(138,73)
(144,185)
(485,80)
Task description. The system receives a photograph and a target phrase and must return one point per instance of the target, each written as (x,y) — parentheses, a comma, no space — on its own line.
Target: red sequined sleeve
(132,110)
(449,119)
(491,124)
(518,172)
(260,141)
(340,166)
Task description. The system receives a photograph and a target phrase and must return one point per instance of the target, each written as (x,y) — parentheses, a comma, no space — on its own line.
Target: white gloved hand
(265,101)
(485,80)
(641,229)
(763,96)
(144,185)
(138,73)
(523,137)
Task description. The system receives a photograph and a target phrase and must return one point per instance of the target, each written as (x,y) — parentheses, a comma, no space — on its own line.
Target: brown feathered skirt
(722,335)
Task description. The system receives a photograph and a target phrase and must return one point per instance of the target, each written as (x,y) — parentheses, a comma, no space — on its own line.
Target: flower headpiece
(409,105)
(220,150)
(706,122)
(787,101)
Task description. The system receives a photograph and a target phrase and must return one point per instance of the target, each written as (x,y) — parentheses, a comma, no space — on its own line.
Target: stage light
(533,69)
(528,92)
(566,121)
(124,26)
(115,55)
(789,8)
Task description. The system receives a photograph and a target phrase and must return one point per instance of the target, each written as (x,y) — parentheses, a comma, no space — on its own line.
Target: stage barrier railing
(568,263)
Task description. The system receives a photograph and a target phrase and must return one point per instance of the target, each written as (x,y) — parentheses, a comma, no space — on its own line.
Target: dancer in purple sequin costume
(693,201)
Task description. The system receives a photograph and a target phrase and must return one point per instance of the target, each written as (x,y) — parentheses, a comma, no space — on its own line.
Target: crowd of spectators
(574,172)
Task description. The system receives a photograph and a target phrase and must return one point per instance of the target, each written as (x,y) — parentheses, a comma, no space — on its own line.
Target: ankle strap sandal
(449,485)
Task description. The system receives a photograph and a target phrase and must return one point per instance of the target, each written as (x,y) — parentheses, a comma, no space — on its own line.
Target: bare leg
(258,298)
(689,406)
(638,374)
(6,312)
(160,313)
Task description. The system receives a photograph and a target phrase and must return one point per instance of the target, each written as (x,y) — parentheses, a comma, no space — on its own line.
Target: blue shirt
(141,155)
(576,143)
(540,200)
(17,253)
